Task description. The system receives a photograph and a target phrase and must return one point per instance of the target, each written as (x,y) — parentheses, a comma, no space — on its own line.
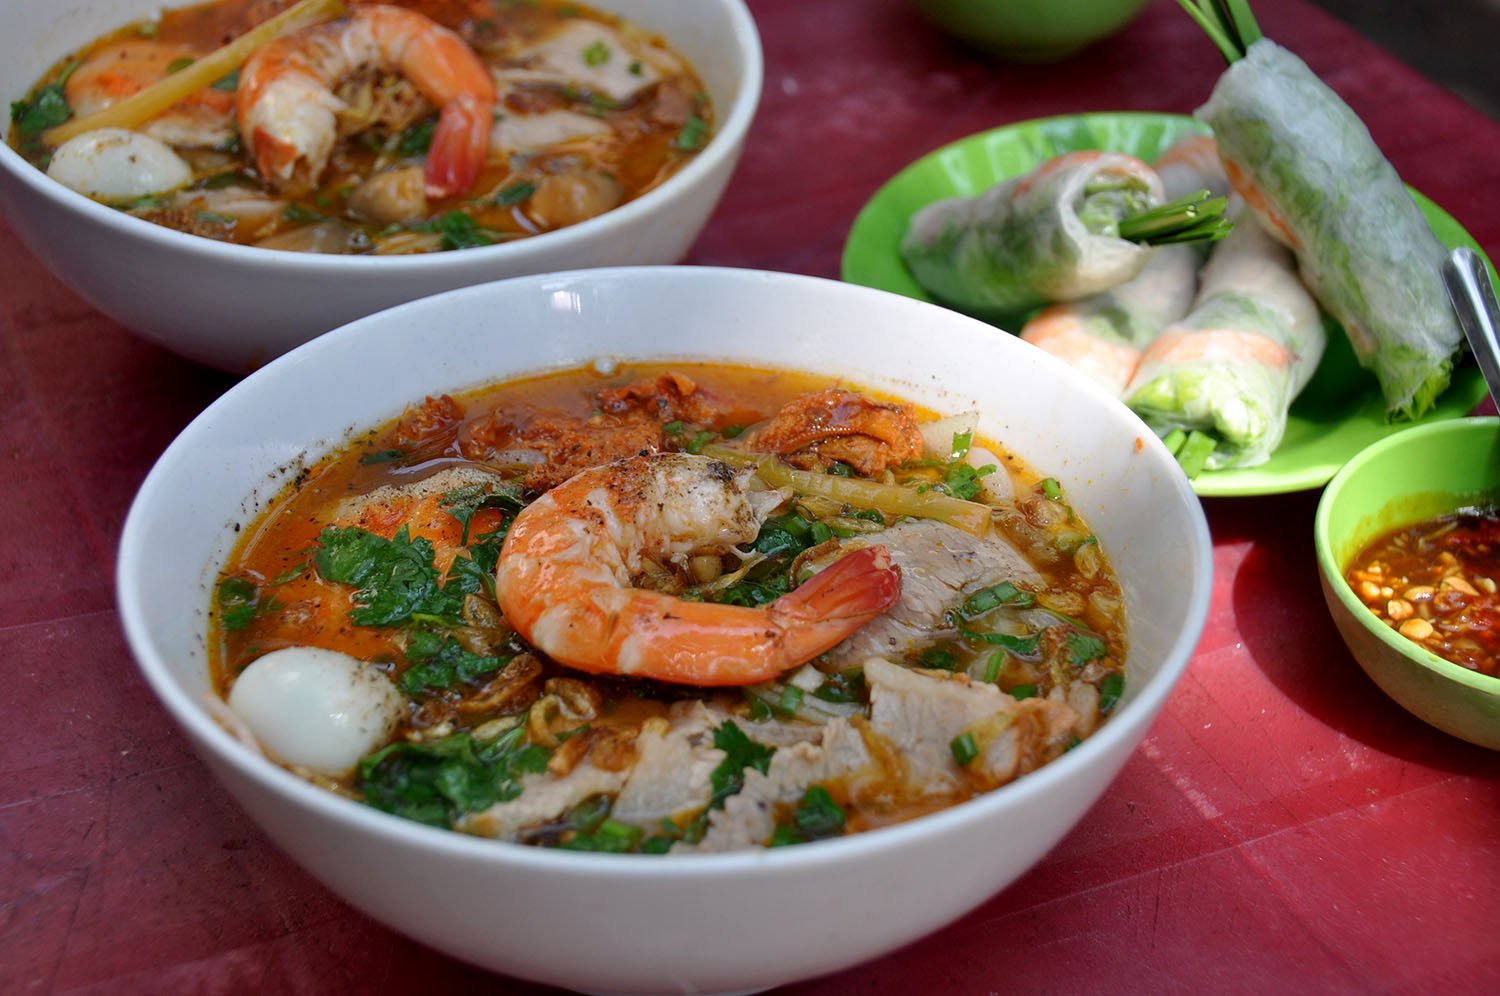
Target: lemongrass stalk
(891,499)
(161,95)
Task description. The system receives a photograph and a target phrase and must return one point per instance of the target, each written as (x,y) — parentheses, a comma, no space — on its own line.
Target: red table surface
(1284,826)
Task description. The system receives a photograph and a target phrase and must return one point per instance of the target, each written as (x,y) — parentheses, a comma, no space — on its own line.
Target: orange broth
(277,598)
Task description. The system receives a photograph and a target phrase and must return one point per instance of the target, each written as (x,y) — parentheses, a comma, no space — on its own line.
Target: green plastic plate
(1339,413)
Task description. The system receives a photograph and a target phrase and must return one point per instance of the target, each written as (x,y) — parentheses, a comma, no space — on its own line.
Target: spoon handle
(1473,295)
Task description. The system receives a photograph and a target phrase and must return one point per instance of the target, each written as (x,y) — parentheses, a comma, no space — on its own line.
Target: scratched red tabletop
(1284,827)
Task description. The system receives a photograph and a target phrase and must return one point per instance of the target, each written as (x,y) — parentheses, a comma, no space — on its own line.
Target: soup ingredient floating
(368,128)
(1309,170)
(1435,583)
(677,610)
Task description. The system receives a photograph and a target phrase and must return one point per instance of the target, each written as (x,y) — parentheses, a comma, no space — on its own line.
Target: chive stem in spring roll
(1230,369)
(1309,170)
(1102,336)
(1049,235)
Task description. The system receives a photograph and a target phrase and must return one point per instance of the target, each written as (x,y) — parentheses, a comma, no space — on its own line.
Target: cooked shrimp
(564,577)
(1063,330)
(122,69)
(289,114)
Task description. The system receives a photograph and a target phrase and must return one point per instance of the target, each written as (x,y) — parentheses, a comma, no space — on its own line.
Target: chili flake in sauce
(1435,582)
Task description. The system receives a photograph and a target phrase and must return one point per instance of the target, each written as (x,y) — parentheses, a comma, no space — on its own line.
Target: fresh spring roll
(1049,235)
(1310,171)
(1102,336)
(1232,367)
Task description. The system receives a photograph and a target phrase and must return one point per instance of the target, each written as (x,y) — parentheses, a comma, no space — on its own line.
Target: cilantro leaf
(238,600)
(396,578)
(439,661)
(47,108)
(462,503)
(740,753)
(1084,647)
(458,230)
(816,817)
(434,781)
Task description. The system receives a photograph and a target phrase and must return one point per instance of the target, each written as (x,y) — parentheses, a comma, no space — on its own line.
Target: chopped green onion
(791,700)
(1020,692)
(1195,451)
(964,749)
(596,54)
(1198,217)
(1051,488)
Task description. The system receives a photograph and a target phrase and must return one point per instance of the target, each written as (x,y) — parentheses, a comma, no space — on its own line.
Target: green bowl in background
(1415,474)
(1030,30)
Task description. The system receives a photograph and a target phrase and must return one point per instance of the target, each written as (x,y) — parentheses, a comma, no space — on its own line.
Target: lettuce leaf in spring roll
(1102,336)
(1231,368)
(1311,173)
(1049,235)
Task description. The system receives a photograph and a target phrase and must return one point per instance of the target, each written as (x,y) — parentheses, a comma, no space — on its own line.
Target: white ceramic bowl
(716,923)
(235,307)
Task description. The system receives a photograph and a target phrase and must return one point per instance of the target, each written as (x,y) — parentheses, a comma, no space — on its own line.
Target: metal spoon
(1473,297)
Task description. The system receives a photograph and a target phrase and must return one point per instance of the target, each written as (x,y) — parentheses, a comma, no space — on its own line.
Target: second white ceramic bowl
(236,307)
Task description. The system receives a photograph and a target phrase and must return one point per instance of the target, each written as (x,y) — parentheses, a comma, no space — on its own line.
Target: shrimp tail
(459,146)
(836,601)
(276,158)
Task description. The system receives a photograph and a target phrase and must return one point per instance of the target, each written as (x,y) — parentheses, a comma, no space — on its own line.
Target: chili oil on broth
(551,721)
(562,150)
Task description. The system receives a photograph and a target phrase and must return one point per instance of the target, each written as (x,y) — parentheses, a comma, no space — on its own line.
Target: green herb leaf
(237,598)
(740,752)
(396,578)
(694,135)
(435,781)
(47,108)
(816,817)
(1083,648)
(459,230)
(1109,691)
(438,661)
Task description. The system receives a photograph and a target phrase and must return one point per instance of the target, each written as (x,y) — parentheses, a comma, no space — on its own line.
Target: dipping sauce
(1435,583)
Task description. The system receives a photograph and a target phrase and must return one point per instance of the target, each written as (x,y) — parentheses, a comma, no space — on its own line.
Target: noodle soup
(369,129)
(676,609)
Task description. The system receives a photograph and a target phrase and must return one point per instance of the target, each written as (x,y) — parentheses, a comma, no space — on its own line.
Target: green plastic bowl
(1412,475)
(1030,30)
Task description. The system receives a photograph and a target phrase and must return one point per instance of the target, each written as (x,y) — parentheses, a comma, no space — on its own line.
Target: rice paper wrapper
(1102,336)
(1310,171)
(1233,366)
(1045,236)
